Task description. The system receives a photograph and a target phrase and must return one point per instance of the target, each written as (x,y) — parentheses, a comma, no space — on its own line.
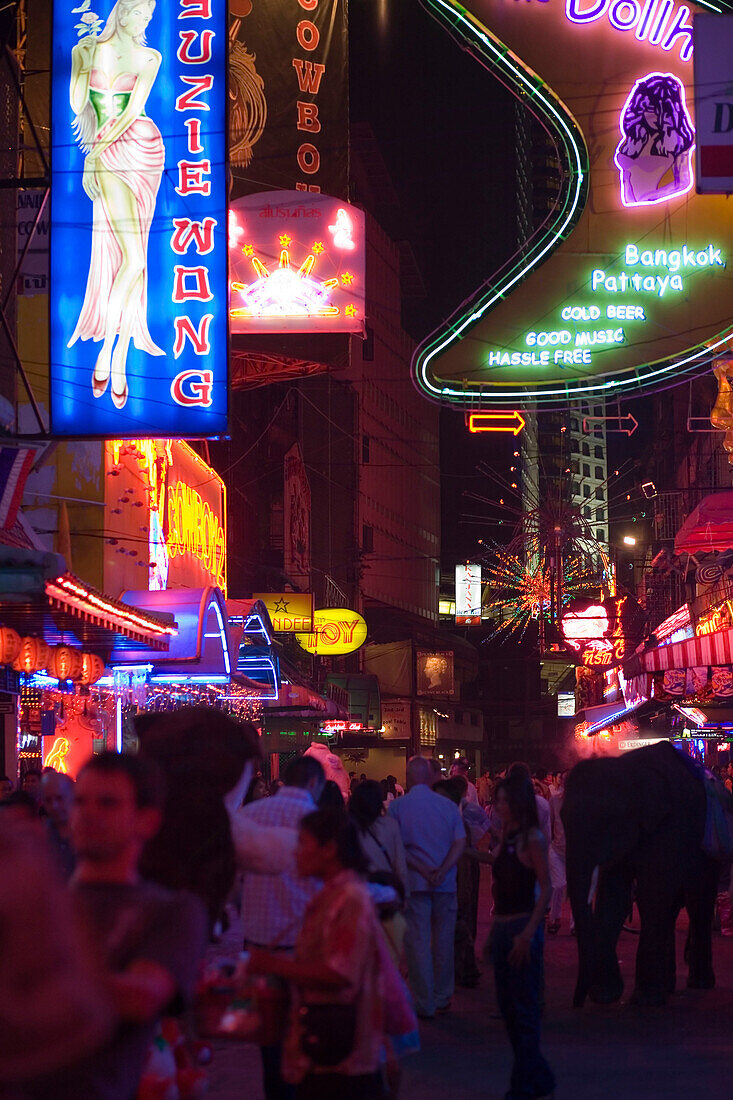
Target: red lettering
(308,117)
(199,292)
(193,125)
(198,392)
(191,177)
(308,187)
(347,629)
(307,34)
(199,337)
(187,101)
(309,75)
(187,40)
(187,231)
(195,9)
(309,159)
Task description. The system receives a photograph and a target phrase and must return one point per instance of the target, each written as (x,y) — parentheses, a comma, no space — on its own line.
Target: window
(586,513)
(600,515)
(575,467)
(574,447)
(367,539)
(586,490)
(598,411)
(586,449)
(576,488)
(365,449)
(573,424)
(601,535)
(599,473)
(600,494)
(598,452)
(586,470)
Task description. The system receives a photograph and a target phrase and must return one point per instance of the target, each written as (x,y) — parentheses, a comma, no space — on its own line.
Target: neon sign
(611,80)
(603,634)
(336,631)
(139,190)
(297,263)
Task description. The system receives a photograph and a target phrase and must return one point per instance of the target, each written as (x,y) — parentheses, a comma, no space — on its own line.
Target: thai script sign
(138,219)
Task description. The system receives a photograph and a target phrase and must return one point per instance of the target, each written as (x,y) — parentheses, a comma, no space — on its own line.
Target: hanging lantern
(92,668)
(65,663)
(11,644)
(33,656)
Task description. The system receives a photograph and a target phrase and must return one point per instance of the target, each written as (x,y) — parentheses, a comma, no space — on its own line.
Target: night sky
(445,127)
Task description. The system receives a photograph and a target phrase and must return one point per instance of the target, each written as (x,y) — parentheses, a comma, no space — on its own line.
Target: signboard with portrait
(434,672)
(138,219)
(624,285)
(296,264)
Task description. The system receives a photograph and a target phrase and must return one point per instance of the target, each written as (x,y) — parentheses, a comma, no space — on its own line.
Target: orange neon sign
(56,755)
(194,529)
(496,422)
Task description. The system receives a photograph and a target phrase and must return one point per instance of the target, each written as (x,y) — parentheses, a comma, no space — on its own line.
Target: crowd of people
(343,886)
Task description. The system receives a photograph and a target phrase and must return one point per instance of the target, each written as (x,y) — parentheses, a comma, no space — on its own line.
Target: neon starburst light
(286,291)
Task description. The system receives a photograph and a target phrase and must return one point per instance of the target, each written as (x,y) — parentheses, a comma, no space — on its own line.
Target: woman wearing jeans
(516,942)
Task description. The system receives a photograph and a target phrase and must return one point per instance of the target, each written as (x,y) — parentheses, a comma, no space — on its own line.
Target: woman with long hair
(521,888)
(336,1033)
(379,834)
(111,79)
(654,155)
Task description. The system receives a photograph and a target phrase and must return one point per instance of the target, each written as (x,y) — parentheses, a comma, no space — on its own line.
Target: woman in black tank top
(521,888)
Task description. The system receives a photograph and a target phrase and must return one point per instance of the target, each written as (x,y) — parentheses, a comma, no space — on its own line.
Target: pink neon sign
(654,156)
(296,264)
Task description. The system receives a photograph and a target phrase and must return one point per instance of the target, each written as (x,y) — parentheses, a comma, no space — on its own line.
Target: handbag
(328,1032)
(230,1004)
(399,1015)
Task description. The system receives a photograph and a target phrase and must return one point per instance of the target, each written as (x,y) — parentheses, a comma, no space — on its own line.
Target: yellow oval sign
(336,630)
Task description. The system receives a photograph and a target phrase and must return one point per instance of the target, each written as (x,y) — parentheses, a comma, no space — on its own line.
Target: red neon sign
(496,422)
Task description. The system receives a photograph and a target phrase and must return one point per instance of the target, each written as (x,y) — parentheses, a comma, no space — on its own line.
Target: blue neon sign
(138,219)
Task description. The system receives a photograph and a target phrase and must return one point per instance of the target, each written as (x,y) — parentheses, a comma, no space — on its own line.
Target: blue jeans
(518,993)
(431,923)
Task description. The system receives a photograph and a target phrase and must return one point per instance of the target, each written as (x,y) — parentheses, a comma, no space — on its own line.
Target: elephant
(638,819)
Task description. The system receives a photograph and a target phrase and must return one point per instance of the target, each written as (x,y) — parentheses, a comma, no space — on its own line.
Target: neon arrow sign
(632,292)
(496,422)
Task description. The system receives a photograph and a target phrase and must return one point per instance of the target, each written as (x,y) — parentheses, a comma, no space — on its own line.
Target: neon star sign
(297,264)
(624,285)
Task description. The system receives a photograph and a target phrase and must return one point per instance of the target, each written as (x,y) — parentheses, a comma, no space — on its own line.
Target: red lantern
(34,655)
(65,663)
(10,645)
(92,668)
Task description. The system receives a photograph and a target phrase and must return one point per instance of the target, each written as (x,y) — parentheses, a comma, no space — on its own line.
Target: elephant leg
(700,903)
(655,958)
(611,907)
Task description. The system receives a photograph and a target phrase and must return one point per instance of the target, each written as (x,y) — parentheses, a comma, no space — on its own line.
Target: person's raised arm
(82,59)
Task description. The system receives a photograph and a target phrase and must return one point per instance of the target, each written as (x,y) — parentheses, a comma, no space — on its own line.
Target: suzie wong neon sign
(624,286)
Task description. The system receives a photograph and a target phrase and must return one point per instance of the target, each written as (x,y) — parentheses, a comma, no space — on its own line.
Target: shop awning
(40,598)
(709,649)
(200,651)
(709,527)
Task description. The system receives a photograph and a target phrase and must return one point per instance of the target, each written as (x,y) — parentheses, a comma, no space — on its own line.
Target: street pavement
(619,1052)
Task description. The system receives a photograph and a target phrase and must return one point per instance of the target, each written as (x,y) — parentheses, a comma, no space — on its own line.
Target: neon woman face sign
(654,156)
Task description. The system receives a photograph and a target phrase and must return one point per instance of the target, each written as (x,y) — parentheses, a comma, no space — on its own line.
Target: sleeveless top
(513,884)
(109,102)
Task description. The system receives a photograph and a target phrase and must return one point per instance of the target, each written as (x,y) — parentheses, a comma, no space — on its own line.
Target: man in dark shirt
(57,796)
(150,939)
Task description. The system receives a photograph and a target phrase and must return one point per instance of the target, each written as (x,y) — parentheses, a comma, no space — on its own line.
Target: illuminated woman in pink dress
(655,152)
(111,79)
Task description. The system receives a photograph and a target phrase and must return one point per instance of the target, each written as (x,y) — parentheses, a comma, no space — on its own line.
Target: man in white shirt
(434,837)
(274,902)
(460,767)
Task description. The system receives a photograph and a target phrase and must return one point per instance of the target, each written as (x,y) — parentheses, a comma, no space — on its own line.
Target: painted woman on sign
(111,79)
(655,152)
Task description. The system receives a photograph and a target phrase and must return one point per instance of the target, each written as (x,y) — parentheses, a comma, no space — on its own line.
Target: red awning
(710,649)
(709,527)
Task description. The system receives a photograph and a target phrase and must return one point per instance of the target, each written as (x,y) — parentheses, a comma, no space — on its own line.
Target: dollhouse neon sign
(650,20)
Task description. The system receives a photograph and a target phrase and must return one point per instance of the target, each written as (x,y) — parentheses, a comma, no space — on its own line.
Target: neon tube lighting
(469,28)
